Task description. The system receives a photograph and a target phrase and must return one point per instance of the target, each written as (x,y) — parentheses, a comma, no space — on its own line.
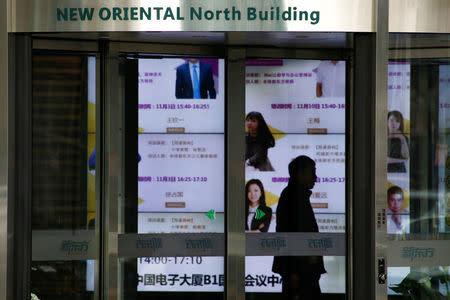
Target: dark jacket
(264,220)
(256,153)
(183,85)
(295,214)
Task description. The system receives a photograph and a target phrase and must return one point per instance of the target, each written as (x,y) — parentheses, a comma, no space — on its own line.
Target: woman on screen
(257,141)
(258,214)
(398,149)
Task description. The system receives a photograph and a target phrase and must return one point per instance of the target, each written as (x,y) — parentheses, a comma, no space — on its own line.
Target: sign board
(192,15)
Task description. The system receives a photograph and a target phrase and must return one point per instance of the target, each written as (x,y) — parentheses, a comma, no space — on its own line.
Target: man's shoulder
(285,190)
(183,67)
(292,192)
(324,65)
(285,194)
(204,65)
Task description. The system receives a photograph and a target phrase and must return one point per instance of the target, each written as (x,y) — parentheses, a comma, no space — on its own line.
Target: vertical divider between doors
(112,169)
(98,176)
(349,146)
(380,138)
(363,215)
(235,175)
(19,167)
(5,151)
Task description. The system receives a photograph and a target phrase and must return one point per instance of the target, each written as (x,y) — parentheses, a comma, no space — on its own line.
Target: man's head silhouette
(302,172)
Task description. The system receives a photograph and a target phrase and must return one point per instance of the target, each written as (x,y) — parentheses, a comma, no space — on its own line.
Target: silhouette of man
(194,81)
(300,274)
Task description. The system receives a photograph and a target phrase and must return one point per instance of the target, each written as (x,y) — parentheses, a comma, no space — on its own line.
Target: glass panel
(295,178)
(417,208)
(64,249)
(398,168)
(180,184)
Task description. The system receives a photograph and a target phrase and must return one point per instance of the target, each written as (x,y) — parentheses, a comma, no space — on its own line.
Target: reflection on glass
(398,149)
(63,195)
(417,197)
(442,147)
(398,126)
(422,283)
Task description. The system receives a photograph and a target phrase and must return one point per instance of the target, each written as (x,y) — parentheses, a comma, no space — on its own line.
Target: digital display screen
(297,96)
(181,274)
(181,167)
(328,151)
(294,108)
(181,172)
(398,125)
(90,264)
(443,161)
(166,96)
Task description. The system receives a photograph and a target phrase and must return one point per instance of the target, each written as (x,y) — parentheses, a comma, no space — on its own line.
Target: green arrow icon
(259,214)
(211,214)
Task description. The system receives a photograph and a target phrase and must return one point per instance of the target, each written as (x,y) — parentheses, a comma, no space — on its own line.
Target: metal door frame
(111,185)
(235,109)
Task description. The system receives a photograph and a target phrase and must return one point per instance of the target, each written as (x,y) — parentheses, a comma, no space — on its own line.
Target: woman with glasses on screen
(257,141)
(258,214)
(398,149)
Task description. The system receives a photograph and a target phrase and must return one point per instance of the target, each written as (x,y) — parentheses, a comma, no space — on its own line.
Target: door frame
(111,185)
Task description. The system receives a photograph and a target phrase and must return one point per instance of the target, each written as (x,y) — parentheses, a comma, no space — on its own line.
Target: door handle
(382,276)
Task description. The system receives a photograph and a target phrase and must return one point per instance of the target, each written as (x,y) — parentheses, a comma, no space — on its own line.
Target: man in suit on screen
(195,81)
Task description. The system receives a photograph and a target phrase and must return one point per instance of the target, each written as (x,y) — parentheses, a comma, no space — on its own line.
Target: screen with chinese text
(181,167)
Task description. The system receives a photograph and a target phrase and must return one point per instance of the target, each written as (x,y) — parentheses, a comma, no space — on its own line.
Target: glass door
(216,173)
(416,218)
(64,194)
(171,221)
(295,178)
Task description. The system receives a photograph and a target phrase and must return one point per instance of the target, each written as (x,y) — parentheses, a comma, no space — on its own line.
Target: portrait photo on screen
(181,95)
(397,210)
(398,143)
(195,79)
(330,79)
(258,140)
(259,215)
(398,118)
